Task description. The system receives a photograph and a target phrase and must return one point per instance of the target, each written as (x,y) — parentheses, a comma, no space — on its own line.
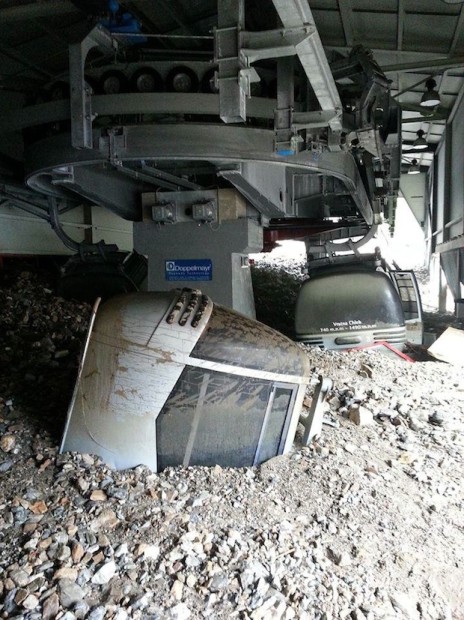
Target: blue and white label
(192,269)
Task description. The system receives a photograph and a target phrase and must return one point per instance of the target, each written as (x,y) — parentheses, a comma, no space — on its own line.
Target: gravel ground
(366,523)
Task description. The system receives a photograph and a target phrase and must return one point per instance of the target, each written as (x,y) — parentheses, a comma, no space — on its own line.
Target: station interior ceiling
(365,48)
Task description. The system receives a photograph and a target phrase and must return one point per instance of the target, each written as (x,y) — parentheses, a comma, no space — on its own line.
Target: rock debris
(367,523)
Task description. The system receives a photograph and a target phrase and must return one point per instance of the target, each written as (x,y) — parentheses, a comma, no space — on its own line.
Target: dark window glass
(212,418)
(273,435)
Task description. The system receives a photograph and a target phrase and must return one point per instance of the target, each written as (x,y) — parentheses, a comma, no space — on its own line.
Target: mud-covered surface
(368,522)
(234,339)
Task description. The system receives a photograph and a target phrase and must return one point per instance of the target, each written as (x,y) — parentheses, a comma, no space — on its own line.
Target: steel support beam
(457,32)
(346,13)
(251,193)
(165,178)
(33,209)
(447,182)
(139,176)
(17,190)
(296,13)
(312,120)
(272,43)
(155,177)
(435,117)
(413,107)
(432,64)
(221,145)
(232,92)
(453,244)
(130,103)
(284,110)
(81,100)
(400,26)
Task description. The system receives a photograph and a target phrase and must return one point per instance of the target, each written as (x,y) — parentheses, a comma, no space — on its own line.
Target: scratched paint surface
(237,340)
(129,371)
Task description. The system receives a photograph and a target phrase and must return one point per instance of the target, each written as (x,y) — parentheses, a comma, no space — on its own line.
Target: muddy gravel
(366,523)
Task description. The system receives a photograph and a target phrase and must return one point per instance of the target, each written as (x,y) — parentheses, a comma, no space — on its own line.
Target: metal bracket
(63,175)
(314,119)
(81,93)
(117,143)
(348,246)
(232,95)
(246,79)
(256,46)
(113,143)
(313,421)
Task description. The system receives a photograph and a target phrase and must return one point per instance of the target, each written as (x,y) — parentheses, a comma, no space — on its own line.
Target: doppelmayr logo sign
(188,270)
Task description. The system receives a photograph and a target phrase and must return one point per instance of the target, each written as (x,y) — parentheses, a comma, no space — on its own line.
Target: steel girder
(93,172)
(136,103)
(295,13)
(81,99)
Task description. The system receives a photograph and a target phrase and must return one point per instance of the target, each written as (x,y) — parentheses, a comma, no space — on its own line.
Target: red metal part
(297,228)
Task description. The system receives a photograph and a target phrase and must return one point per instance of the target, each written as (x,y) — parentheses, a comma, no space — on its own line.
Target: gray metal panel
(270,181)
(265,206)
(220,144)
(221,244)
(440,194)
(130,103)
(457,173)
(413,189)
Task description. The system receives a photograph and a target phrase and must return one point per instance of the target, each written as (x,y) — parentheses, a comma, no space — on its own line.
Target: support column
(442,291)
(213,258)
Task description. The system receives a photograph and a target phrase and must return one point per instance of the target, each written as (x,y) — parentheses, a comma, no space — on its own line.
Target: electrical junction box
(204,211)
(164,213)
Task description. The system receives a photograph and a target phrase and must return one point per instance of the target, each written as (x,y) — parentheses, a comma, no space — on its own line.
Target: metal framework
(285,151)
